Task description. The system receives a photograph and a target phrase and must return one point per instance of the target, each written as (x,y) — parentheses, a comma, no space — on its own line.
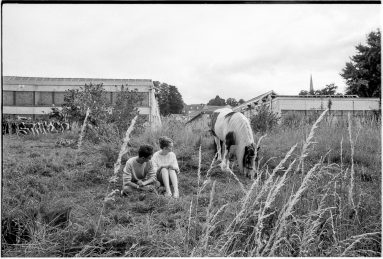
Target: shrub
(264,119)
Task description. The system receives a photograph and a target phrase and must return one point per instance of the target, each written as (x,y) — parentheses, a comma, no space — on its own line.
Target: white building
(340,105)
(35,96)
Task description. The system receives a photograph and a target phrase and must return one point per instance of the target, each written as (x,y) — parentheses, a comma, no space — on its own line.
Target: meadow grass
(317,194)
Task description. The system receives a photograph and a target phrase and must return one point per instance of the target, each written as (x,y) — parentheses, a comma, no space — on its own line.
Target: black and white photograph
(191,129)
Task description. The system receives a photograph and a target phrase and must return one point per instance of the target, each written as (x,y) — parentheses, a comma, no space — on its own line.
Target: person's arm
(151,175)
(174,163)
(127,177)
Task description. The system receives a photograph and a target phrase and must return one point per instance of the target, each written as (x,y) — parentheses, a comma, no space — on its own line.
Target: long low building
(36,96)
(282,105)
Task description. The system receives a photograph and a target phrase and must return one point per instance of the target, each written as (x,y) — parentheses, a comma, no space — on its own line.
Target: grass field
(317,194)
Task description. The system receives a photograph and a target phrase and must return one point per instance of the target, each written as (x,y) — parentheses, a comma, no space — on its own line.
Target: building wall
(351,104)
(283,105)
(36,96)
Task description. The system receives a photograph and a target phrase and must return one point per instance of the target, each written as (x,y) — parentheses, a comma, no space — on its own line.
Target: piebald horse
(233,129)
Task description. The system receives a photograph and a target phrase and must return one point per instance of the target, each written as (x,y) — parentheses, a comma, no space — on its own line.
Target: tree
(176,103)
(121,112)
(76,102)
(169,99)
(217,101)
(328,90)
(304,92)
(362,73)
(232,102)
(241,101)
(125,108)
(264,119)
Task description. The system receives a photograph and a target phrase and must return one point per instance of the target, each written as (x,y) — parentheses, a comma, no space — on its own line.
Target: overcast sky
(233,50)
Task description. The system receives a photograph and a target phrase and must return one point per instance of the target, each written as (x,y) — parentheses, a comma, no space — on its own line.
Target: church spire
(311,85)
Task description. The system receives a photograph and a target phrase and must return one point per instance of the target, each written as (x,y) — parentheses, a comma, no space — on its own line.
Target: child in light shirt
(166,167)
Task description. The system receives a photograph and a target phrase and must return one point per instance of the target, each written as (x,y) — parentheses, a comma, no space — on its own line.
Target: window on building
(8,98)
(59,98)
(24,98)
(43,98)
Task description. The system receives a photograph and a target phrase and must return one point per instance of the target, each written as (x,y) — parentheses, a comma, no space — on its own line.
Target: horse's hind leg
(223,163)
(229,141)
(219,150)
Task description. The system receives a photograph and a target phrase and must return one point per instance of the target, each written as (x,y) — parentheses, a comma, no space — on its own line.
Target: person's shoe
(176,195)
(168,194)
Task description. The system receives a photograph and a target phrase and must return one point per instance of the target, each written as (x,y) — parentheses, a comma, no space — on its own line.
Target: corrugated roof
(319,96)
(207,109)
(259,97)
(73,81)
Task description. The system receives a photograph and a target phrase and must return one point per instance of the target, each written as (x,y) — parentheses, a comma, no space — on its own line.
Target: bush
(264,120)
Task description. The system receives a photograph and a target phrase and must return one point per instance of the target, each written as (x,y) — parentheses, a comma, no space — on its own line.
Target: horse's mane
(229,115)
(242,124)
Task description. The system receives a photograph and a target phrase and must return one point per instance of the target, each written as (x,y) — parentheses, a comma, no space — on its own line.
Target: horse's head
(249,160)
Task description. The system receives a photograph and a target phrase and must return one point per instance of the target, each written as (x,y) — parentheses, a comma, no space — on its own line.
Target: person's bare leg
(174,180)
(165,180)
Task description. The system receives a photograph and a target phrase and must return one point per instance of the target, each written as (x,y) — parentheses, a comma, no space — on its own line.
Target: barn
(35,96)
(306,105)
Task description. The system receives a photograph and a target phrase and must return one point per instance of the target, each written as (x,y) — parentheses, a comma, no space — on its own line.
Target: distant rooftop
(318,96)
(73,81)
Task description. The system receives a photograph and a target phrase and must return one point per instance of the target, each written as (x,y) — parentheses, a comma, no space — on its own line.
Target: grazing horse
(233,129)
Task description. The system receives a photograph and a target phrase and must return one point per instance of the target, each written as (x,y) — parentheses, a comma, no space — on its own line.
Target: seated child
(138,173)
(166,166)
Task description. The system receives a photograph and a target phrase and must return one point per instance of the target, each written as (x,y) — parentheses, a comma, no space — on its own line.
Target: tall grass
(82,133)
(298,205)
(271,222)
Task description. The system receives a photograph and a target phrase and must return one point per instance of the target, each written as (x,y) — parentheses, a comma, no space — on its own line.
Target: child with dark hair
(138,173)
(166,166)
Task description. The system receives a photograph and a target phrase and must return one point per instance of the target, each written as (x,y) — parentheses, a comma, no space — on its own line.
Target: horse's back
(225,120)
(218,124)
